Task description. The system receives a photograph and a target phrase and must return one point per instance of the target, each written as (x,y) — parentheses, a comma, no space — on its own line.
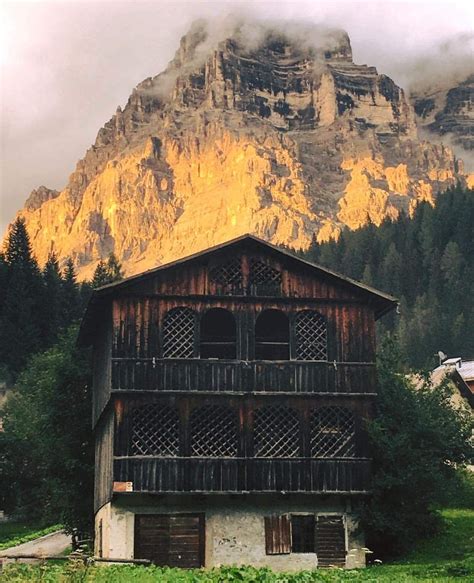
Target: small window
(227,277)
(155,431)
(214,432)
(179,326)
(311,336)
(272,334)
(276,432)
(302,533)
(264,279)
(332,432)
(218,334)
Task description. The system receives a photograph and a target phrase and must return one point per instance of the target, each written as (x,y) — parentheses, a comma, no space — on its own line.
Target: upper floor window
(218,334)
(227,276)
(214,432)
(332,432)
(155,431)
(264,280)
(276,432)
(272,336)
(311,336)
(179,327)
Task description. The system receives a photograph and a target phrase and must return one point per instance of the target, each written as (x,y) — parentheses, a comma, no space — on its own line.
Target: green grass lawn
(15,533)
(447,558)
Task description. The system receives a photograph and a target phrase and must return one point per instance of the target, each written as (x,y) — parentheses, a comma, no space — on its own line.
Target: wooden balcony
(239,475)
(146,374)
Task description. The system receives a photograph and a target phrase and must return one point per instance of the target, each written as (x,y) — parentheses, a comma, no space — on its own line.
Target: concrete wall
(235,533)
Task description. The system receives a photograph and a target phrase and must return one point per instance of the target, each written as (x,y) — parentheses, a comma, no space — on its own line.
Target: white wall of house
(235,532)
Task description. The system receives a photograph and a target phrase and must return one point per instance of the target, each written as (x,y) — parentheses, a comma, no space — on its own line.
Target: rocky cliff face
(267,135)
(447,110)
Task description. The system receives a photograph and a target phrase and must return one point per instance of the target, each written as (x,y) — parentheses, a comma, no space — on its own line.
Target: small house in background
(231,390)
(461,373)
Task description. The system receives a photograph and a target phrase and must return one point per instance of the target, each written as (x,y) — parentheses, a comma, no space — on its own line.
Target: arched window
(218,334)
(179,326)
(276,432)
(272,333)
(332,432)
(214,432)
(155,431)
(311,336)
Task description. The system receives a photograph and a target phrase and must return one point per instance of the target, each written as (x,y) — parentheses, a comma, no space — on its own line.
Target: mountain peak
(252,128)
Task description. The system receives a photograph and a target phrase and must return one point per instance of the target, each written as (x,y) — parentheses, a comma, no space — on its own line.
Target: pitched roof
(383,302)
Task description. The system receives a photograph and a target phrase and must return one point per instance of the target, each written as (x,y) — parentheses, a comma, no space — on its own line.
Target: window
(155,431)
(214,432)
(272,333)
(311,336)
(332,432)
(276,432)
(228,276)
(218,334)
(179,326)
(264,280)
(307,533)
(302,533)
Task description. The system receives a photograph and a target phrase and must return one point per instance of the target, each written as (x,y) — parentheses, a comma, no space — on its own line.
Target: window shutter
(277,535)
(330,541)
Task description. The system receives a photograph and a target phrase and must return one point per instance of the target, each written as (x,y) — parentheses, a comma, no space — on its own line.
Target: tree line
(425,260)
(36,305)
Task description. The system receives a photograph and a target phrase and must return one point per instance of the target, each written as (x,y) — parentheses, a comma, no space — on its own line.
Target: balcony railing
(149,374)
(151,474)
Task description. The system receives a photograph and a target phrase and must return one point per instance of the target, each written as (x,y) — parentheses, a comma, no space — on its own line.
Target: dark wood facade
(266,357)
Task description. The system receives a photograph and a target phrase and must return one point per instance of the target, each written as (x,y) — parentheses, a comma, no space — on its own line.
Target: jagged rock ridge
(448,110)
(276,137)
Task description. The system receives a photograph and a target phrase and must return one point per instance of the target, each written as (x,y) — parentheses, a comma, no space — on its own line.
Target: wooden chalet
(230,392)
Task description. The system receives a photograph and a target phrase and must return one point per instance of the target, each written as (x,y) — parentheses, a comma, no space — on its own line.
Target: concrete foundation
(234,526)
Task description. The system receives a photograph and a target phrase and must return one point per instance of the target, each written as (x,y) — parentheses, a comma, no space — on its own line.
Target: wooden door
(330,541)
(173,540)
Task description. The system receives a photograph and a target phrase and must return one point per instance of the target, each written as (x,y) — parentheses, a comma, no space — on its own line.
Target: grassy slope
(16,533)
(447,558)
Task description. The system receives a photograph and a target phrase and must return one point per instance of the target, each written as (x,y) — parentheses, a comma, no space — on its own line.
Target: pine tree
(107,272)
(101,275)
(51,309)
(114,268)
(20,330)
(71,304)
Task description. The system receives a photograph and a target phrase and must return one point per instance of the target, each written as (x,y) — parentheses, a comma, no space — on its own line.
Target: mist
(66,66)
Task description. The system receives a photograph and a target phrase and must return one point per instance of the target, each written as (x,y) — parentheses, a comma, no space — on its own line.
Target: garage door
(173,540)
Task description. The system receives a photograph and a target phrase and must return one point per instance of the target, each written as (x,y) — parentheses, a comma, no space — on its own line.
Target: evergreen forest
(427,262)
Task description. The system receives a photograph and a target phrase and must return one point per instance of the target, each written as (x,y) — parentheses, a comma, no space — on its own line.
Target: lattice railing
(276,432)
(155,431)
(179,327)
(228,275)
(264,278)
(311,336)
(214,432)
(332,432)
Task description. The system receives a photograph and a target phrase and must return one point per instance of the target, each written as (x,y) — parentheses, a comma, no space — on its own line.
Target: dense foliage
(419,440)
(427,261)
(46,450)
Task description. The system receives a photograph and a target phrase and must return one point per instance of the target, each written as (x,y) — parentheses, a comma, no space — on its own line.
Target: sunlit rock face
(258,131)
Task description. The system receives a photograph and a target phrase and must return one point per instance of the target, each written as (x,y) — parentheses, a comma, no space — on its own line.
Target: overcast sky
(67,65)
